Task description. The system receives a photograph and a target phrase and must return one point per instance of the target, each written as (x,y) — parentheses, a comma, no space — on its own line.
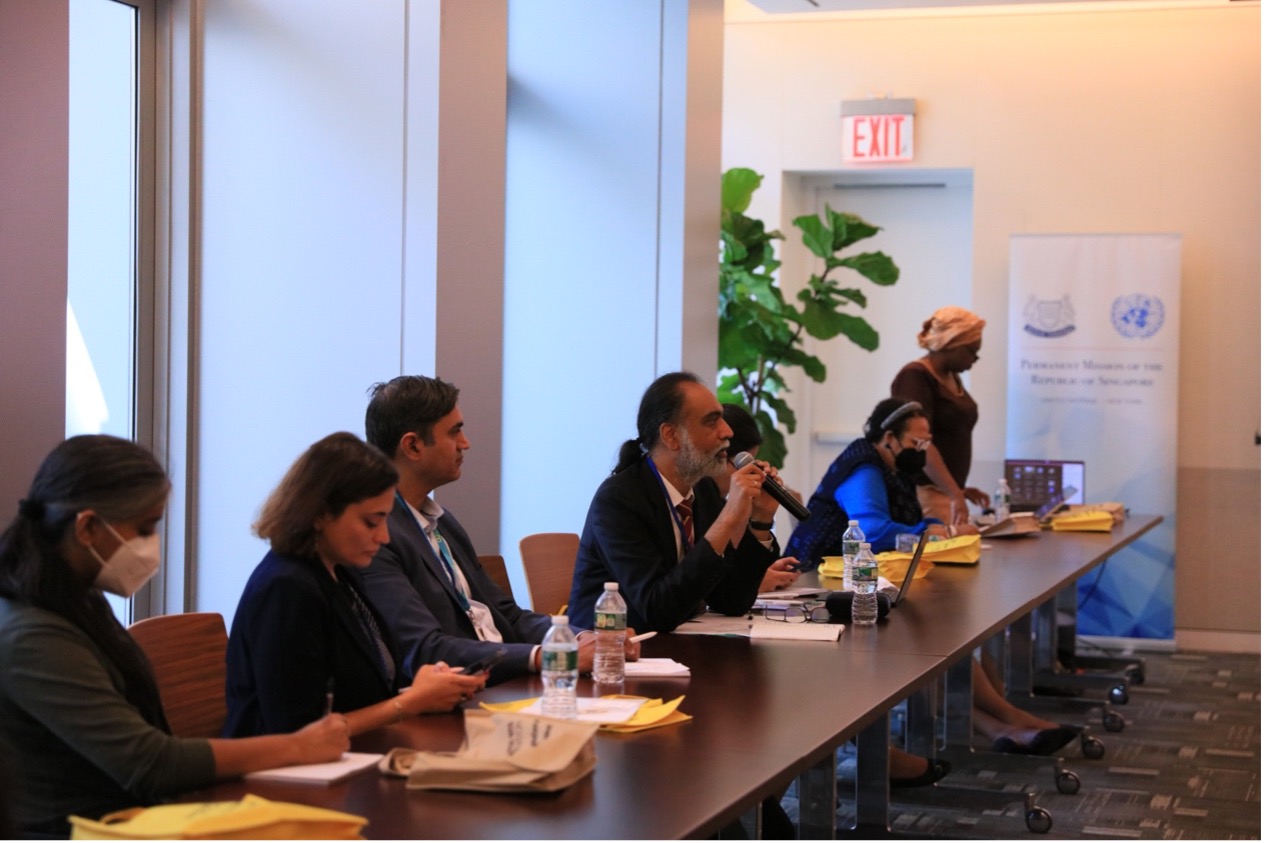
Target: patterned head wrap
(950,327)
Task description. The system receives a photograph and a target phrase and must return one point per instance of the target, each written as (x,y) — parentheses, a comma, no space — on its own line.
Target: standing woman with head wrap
(952,338)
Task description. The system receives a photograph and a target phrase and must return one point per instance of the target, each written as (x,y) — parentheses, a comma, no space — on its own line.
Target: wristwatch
(760,525)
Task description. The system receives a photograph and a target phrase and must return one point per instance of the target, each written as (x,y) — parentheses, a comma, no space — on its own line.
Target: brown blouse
(952,414)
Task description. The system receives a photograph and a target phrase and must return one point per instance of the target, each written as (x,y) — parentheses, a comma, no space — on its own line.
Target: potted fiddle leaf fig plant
(761,333)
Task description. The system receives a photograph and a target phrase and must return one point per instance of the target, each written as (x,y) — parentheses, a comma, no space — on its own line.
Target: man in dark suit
(658,525)
(427,581)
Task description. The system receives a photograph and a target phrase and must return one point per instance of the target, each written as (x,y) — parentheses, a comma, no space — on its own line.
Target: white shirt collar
(428,514)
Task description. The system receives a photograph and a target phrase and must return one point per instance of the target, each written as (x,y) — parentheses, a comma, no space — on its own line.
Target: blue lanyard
(686,541)
(445,557)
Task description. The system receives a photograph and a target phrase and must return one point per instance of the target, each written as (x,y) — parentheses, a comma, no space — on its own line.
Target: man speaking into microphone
(659,526)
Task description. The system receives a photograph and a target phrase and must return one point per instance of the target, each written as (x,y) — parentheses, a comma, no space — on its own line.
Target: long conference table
(764,713)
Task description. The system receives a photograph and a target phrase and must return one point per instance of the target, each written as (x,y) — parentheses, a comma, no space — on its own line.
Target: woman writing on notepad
(80,713)
(305,639)
(907,770)
(872,481)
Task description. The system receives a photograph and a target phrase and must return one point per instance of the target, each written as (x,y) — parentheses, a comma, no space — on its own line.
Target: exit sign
(878,131)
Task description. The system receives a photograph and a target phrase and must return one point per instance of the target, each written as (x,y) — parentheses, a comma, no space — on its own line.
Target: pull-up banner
(1093,348)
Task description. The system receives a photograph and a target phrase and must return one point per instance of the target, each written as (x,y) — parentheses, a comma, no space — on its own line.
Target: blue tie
(445,556)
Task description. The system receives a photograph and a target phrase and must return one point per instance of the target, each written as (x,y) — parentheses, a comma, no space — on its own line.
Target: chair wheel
(1136,675)
(1067,782)
(1112,722)
(1092,748)
(1039,820)
(1119,695)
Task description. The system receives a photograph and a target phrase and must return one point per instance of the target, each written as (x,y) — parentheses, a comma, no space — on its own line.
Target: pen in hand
(329,697)
(642,637)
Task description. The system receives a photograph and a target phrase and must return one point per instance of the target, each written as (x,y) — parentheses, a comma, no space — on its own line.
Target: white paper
(656,667)
(781,631)
(594,709)
(327,773)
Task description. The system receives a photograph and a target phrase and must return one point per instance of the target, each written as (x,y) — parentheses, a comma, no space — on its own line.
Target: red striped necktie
(685,511)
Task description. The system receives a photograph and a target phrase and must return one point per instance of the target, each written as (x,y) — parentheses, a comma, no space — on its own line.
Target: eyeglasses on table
(807,613)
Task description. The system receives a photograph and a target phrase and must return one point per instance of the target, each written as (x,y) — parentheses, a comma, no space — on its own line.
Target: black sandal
(937,768)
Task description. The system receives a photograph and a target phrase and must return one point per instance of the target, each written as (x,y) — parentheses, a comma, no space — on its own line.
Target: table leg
(872,774)
(818,800)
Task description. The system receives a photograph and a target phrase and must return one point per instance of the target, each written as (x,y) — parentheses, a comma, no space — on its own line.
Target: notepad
(655,667)
(780,631)
(328,773)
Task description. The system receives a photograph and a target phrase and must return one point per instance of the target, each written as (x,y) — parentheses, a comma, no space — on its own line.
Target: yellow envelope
(1094,522)
(960,550)
(893,564)
(252,818)
(651,715)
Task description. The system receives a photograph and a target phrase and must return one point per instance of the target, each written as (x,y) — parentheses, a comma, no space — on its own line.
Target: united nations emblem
(1137,316)
(1049,319)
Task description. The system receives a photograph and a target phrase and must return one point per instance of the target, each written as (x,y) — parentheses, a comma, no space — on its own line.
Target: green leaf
(875,266)
(812,367)
(773,449)
(847,229)
(860,332)
(736,187)
(817,237)
(785,415)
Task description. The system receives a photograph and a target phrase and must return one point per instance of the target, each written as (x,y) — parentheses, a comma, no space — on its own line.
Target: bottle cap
(560,620)
(611,586)
(865,545)
(853,523)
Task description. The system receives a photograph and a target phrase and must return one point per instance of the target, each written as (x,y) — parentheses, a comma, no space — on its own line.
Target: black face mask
(911,461)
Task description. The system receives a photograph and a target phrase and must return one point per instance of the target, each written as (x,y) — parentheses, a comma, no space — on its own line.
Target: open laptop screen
(1033,483)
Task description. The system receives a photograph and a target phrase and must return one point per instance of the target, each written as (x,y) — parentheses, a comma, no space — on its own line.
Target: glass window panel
(102,261)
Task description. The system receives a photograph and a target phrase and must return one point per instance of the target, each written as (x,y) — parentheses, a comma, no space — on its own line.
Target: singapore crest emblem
(1049,318)
(1137,316)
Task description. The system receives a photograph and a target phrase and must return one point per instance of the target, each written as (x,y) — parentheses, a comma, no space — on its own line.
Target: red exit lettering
(878,137)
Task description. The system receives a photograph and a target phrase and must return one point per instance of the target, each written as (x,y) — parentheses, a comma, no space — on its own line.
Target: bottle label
(616,621)
(559,660)
(851,548)
(864,572)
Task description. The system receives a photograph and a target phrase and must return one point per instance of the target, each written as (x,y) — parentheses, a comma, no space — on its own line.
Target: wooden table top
(763,713)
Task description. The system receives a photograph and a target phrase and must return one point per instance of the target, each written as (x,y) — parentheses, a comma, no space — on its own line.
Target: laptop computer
(1033,483)
(1025,523)
(912,570)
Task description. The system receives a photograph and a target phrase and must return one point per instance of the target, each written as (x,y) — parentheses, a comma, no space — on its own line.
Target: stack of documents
(613,713)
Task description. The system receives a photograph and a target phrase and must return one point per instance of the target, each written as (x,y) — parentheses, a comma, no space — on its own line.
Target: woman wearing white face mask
(79,708)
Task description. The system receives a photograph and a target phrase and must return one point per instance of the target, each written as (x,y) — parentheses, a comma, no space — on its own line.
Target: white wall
(34,154)
(1136,121)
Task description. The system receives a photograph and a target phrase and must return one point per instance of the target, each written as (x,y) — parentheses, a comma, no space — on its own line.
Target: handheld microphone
(774,489)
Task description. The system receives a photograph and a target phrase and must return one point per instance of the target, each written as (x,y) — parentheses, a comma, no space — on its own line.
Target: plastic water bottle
(865,588)
(560,669)
(1001,501)
(611,615)
(852,538)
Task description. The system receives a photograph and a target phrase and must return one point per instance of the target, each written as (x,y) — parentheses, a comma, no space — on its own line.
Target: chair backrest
(495,567)
(187,653)
(548,563)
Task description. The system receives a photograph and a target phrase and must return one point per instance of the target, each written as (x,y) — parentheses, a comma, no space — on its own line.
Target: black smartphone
(484,664)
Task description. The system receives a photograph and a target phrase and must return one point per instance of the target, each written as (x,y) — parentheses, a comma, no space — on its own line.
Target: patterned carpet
(1187,765)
